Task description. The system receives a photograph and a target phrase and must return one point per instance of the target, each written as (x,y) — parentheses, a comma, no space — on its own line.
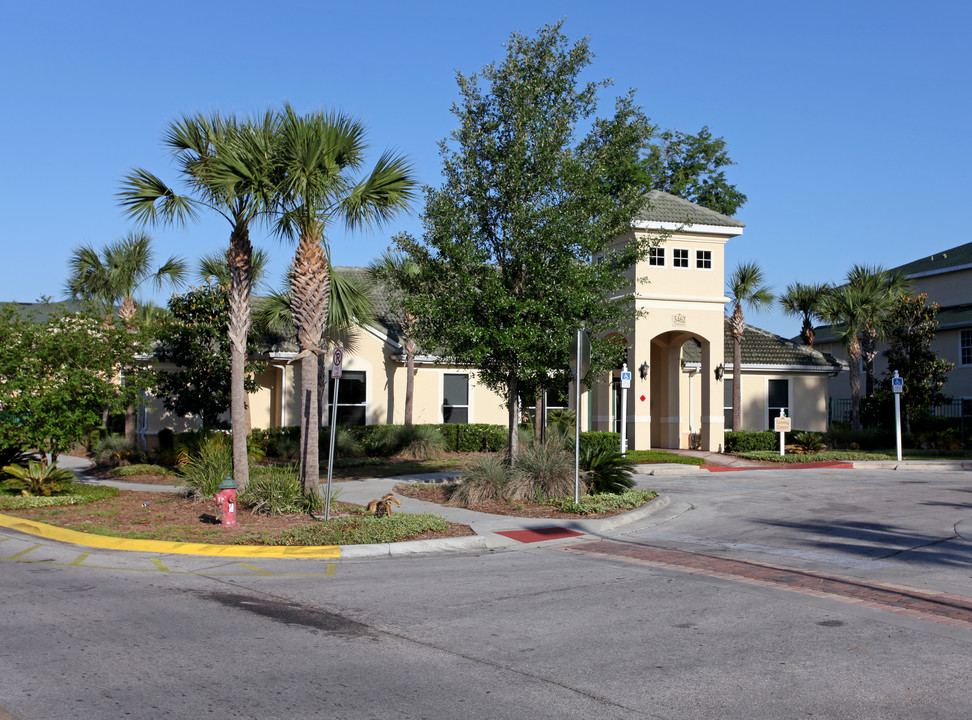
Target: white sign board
(626,380)
(781,424)
(338,359)
(897,384)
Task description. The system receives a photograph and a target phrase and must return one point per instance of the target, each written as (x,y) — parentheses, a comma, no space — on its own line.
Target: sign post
(625,386)
(897,385)
(336,375)
(782,426)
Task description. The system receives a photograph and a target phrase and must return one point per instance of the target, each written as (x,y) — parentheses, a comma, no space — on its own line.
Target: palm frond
(147,200)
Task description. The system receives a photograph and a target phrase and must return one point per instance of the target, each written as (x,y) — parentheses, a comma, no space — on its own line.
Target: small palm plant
(808,442)
(38,478)
(607,471)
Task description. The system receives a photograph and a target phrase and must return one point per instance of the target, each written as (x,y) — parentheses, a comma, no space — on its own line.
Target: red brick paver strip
(938,607)
(531,535)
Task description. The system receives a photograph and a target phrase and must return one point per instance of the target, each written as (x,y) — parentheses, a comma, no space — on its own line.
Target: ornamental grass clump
(205,470)
(486,479)
(543,470)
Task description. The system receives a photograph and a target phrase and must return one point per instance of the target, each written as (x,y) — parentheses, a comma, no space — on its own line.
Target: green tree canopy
(195,341)
(58,373)
(516,253)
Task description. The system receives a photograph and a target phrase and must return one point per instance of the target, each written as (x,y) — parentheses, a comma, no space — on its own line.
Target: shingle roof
(665,207)
(940,261)
(760,347)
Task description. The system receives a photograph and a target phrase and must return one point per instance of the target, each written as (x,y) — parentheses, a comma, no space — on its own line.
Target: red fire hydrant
(226,503)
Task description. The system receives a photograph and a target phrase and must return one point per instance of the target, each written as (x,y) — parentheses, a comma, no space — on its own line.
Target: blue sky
(848,120)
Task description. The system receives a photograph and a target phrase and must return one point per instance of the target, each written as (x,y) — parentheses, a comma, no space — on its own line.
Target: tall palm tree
(878,290)
(112,278)
(745,287)
(114,275)
(315,156)
(227,167)
(395,271)
(804,301)
(845,307)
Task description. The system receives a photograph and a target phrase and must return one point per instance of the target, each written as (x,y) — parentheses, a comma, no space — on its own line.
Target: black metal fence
(877,413)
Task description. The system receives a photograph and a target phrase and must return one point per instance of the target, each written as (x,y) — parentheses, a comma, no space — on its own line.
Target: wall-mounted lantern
(720,370)
(643,370)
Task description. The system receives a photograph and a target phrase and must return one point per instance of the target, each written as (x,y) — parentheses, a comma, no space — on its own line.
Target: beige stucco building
(677,352)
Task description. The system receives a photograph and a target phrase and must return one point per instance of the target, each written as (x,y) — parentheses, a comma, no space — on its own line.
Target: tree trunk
(310,284)
(854,364)
(410,348)
(538,415)
(513,402)
(131,423)
(239,259)
(310,427)
(736,329)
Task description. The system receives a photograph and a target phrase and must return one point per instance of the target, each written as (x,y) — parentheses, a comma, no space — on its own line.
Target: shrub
(474,438)
(750,440)
(345,444)
(416,442)
(112,450)
(808,442)
(37,478)
(204,471)
(143,469)
(544,471)
(279,444)
(602,502)
(594,441)
(363,529)
(485,479)
(607,471)
(277,491)
(841,437)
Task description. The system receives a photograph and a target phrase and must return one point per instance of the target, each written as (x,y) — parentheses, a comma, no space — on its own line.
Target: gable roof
(663,207)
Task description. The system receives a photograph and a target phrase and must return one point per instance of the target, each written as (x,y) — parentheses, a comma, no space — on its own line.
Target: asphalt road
(739,601)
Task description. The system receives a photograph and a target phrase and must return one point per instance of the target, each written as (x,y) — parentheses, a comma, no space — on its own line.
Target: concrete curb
(485,538)
(911,464)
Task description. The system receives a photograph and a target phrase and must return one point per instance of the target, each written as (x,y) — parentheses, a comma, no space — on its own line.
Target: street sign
(338,358)
(897,384)
(625,380)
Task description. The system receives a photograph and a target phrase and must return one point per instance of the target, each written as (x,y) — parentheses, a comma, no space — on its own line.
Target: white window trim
(367,401)
(962,335)
(469,396)
(664,260)
(688,259)
(711,261)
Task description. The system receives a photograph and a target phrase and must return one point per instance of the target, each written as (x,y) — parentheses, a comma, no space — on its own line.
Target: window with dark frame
(352,398)
(965,347)
(455,398)
(727,402)
(777,399)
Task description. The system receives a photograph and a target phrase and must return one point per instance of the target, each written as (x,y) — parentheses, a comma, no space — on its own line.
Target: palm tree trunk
(736,328)
(310,284)
(854,363)
(239,258)
(539,414)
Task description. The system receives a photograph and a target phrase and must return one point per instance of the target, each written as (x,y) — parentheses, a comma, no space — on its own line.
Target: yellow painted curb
(166,547)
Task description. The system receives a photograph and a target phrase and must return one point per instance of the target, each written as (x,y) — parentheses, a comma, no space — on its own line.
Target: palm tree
(844,306)
(226,166)
(804,301)
(745,287)
(112,278)
(878,291)
(315,155)
(396,271)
